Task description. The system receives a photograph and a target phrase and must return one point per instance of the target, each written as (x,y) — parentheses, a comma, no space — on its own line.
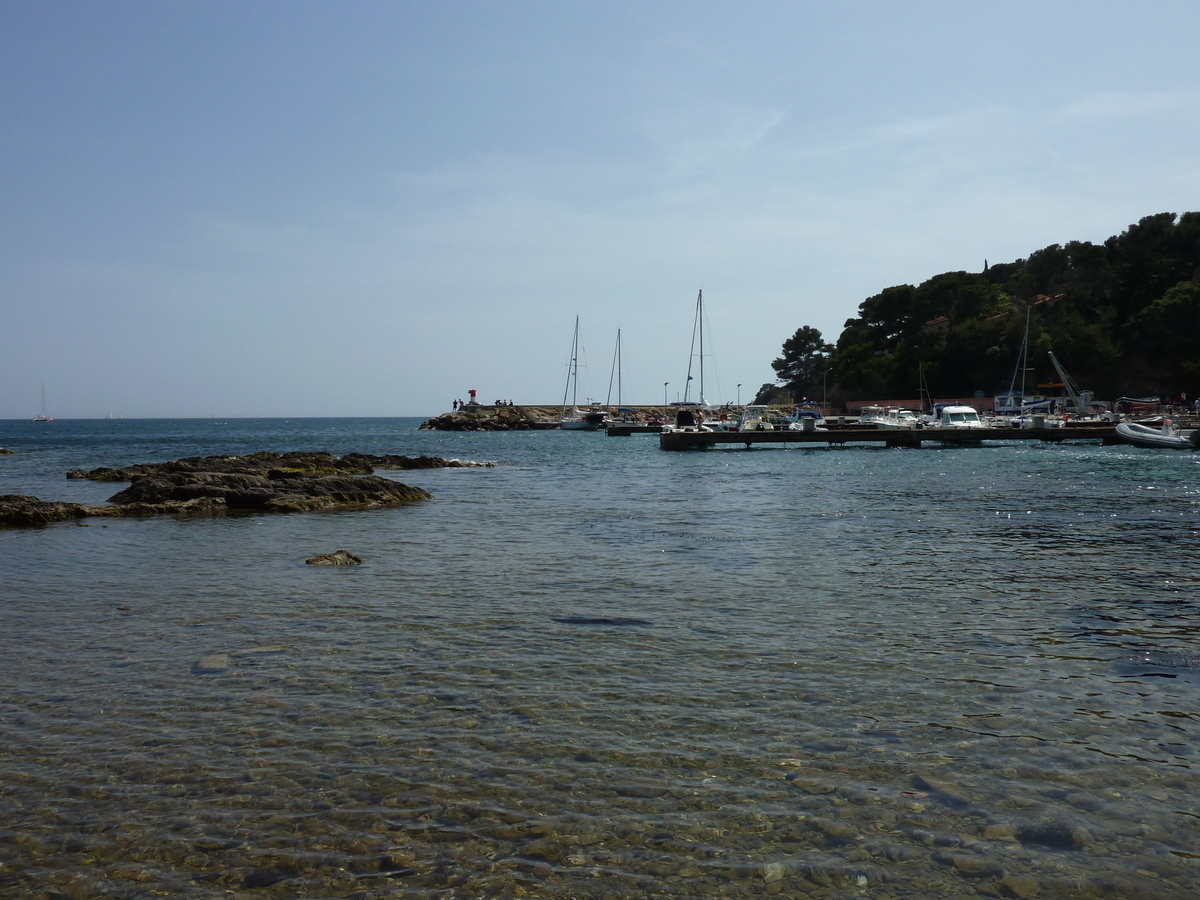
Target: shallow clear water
(601,670)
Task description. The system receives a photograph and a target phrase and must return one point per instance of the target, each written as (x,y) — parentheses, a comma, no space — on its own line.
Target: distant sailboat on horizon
(42,417)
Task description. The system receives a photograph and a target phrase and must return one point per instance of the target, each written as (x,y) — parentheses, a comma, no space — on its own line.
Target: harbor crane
(1080,400)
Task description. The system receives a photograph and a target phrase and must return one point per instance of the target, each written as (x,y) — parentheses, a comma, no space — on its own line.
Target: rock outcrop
(21,511)
(336,558)
(494,418)
(218,485)
(521,418)
(276,465)
(271,494)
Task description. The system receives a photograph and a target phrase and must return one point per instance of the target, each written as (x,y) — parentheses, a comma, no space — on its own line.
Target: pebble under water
(599,670)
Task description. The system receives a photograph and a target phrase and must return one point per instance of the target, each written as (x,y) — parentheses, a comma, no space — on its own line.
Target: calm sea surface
(601,670)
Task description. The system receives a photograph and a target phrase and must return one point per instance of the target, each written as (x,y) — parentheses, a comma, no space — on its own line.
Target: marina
(910,437)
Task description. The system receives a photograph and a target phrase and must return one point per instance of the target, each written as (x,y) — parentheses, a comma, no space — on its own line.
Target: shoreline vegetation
(218,485)
(1121,316)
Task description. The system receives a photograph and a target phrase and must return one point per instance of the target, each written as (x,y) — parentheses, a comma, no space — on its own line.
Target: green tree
(805,359)
(1123,316)
(1168,331)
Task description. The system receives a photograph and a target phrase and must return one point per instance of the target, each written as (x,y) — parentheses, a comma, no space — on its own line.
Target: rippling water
(601,670)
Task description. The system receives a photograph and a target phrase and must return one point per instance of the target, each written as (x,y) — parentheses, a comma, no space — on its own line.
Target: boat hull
(1141,436)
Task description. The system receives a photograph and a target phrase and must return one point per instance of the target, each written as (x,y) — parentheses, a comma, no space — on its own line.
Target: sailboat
(689,414)
(625,415)
(1017,404)
(42,417)
(576,420)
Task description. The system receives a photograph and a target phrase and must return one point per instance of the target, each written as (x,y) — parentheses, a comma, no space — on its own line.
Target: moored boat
(804,413)
(957,417)
(577,420)
(1168,437)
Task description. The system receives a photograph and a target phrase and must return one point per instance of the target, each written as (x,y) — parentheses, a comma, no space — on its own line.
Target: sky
(366,209)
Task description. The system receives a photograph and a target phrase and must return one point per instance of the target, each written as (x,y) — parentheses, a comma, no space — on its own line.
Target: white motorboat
(1166,438)
(957,417)
(894,419)
(722,419)
(756,418)
(870,415)
(803,414)
(689,419)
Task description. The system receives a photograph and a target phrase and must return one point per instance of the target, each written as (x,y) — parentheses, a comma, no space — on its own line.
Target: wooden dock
(911,438)
(627,430)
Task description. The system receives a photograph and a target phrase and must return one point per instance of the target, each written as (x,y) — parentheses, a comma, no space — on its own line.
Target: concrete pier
(913,438)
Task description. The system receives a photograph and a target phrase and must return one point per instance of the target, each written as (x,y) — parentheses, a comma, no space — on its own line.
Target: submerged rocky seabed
(440,777)
(597,670)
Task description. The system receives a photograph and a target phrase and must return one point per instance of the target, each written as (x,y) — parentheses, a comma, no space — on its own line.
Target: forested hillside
(1123,317)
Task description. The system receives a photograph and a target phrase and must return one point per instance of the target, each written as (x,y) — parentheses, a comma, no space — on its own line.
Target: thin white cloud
(1112,105)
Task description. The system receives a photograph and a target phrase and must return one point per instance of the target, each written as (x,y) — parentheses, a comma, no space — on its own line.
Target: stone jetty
(478,417)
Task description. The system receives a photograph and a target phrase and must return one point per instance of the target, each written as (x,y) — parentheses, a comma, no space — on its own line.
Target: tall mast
(700,315)
(1022,361)
(697,327)
(615,371)
(572,370)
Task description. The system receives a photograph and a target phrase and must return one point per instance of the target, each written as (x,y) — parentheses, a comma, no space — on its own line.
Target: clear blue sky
(291,208)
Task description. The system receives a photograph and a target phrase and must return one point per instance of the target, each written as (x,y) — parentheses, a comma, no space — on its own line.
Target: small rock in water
(337,558)
(772,872)
(1055,832)
(214,662)
(1023,887)
(814,785)
(976,866)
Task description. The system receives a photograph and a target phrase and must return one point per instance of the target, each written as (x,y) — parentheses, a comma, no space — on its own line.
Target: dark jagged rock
(217,485)
(4,451)
(274,465)
(337,558)
(264,492)
(20,511)
(263,463)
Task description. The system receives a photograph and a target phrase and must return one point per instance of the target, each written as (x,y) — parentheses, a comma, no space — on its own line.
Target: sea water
(602,670)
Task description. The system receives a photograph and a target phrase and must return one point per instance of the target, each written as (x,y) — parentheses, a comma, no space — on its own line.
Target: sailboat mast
(615,371)
(700,315)
(572,369)
(1022,362)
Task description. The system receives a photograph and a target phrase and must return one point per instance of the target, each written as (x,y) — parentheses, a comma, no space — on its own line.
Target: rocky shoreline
(217,485)
(478,417)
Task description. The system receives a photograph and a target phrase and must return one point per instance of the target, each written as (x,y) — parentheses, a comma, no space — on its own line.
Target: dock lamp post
(739,395)
(665,383)
(823,394)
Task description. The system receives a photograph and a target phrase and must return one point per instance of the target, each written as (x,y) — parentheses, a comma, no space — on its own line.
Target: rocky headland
(217,485)
(478,417)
